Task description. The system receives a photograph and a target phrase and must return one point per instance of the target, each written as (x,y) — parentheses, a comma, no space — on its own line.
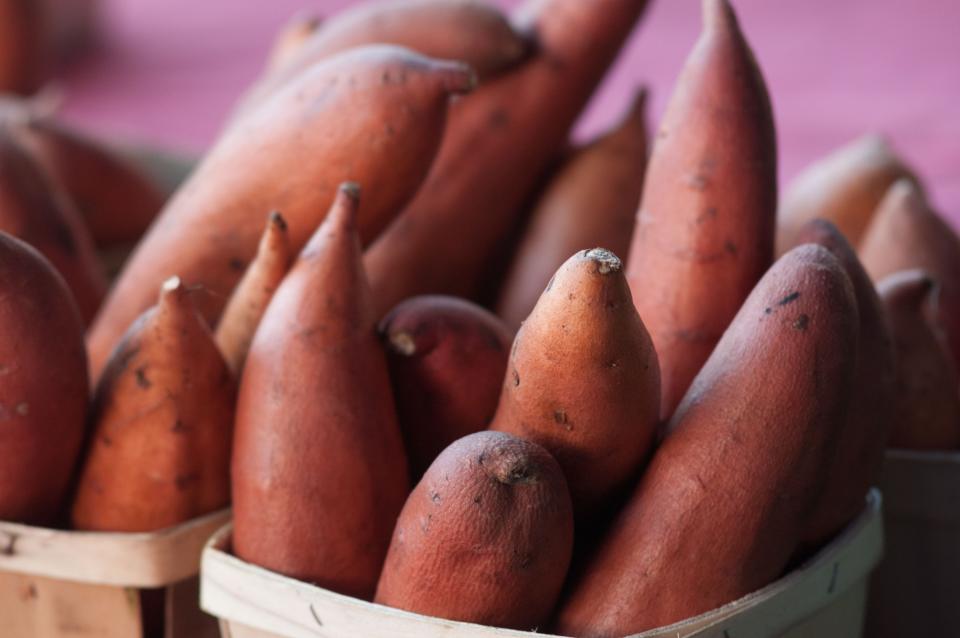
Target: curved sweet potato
(163,419)
(498,145)
(721,508)
(485,537)
(44,393)
(704,233)
(926,412)
(591,201)
(374,115)
(319,471)
(583,380)
(447,358)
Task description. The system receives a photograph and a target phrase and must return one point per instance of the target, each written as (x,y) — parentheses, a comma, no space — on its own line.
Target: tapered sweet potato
(374,115)
(24,43)
(722,506)
(583,380)
(319,472)
(162,418)
(44,393)
(591,201)
(485,537)
(870,417)
(33,209)
(845,188)
(252,295)
(704,233)
(500,141)
(926,412)
(905,234)
(472,31)
(447,358)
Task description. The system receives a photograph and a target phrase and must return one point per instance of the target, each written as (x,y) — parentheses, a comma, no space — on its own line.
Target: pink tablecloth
(169,70)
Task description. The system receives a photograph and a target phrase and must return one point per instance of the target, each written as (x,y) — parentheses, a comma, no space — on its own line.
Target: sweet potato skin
(447,358)
(870,416)
(583,379)
(705,227)
(485,537)
(319,471)
(591,201)
(720,510)
(926,413)
(44,394)
(374,115)
(162,425)
(499,142)
(34,209)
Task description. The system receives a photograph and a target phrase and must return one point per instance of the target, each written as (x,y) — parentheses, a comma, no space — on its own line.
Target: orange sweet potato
(319,471)
(447,358)
(905,234)
(863,438)
(33,209)
(375,115)
(591,201)
(252,295)
(926,412)
(704,233)
(162,418)
(845,188)
(44,393)
(485,537)
(499,143)
(583,380)
(721,508)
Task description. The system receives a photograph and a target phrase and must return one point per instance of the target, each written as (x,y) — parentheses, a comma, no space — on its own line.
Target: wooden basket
(56,583)
(824,598)
(916,591)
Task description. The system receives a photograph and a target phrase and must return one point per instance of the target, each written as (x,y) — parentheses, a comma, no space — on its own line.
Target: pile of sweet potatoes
(439,358)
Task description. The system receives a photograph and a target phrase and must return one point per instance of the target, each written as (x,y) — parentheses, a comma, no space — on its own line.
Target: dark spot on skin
(477,500)
(730,247)
(561,419)
(106,440)
(802,322)
(793,296)
(183,481)
(9,548)
(179,427)
(499,118)
(142,379)
(29,592)
(703,485)
(710,213)
(434,496)
(237,265)
(516,378)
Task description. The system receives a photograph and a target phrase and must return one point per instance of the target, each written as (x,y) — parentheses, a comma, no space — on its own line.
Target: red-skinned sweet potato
(583,380)
(374,115)
(499,142)
(319,471)
(447,358)
(162,424)
(591,201)
(704,232)
(485,537)
(44,393)
(721,508)
(926,413)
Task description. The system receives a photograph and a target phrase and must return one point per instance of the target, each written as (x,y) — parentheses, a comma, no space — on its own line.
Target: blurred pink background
(169,70)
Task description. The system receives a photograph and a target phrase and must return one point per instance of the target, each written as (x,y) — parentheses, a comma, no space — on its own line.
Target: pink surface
(169,70)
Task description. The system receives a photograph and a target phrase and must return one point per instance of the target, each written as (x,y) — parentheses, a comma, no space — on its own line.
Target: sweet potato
(591,201)
(162,418)
(24,44)
(926,413)
(485,537)
(863,438)
(252,295)
(845,188)
(375,115)
(721,508)
(583,380)
(704,233)
(500,141)
(33,209)
(319,471)
(44,394)
(447,358)
(905,234)
(472,31)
